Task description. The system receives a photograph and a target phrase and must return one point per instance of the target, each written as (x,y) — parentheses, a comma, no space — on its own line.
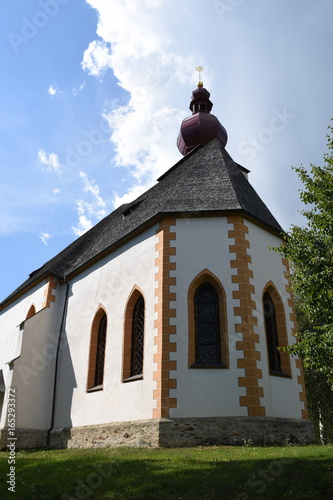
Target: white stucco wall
(33,372)
(203,244)
(11,335)
(108,283)
(13,315)
(281,395)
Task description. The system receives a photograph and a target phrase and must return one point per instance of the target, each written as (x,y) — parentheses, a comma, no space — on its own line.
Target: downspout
(57,365)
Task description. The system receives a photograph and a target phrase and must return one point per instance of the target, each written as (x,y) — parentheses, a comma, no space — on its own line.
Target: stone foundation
(140,433)
(25,438)
(233,431)
(166,433)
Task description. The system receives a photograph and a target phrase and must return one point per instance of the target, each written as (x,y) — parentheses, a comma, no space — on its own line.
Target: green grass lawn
(238,473)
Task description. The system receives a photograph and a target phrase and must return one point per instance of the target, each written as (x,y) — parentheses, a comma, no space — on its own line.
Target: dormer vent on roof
(202,127)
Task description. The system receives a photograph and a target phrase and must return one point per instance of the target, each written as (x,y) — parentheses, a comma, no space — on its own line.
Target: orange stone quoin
(164,313)
(299,363)
(248,321)
(51,285)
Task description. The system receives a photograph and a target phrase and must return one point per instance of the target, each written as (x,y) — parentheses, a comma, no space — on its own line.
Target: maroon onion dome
(202,126)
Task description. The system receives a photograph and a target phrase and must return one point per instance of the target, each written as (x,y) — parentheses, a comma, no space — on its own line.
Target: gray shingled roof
(205,182)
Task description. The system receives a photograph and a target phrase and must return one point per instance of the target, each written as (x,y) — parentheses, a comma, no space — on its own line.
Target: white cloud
(97,58)
(56,191)
(52,90)
(132,193)
(45,237)
(139,43)
(91,209)
(77,90)
(51,161)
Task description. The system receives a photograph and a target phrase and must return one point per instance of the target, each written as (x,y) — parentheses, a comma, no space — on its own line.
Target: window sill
(95,389)
(132,379)
(279,374)
(219,366)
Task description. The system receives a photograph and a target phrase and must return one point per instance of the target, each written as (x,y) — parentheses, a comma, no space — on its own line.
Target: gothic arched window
(207,325)
(134,330)
(100,354)
(138,326)
(271,334)
(97,351)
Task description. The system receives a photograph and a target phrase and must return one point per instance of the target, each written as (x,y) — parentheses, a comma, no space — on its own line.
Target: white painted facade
(110,283)
(14,333)
(201,243)
(281,395)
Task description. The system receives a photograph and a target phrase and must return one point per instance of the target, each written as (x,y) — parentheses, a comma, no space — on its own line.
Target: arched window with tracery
(97,351)
(207,325)
(276,332)
(138,327)
(134,334)
(208,334)
(271,334)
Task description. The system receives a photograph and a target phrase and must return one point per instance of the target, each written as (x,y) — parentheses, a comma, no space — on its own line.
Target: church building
(161,325)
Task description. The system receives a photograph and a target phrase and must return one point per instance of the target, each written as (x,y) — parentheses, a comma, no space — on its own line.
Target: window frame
(138,338)
(210,278)
(94,351)
(127,372)
(201,323)
(279,323)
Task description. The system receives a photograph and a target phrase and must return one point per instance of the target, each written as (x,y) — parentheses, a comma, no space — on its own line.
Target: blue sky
(92,94)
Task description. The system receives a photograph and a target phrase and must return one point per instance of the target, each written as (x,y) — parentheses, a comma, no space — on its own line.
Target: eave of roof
(206,182)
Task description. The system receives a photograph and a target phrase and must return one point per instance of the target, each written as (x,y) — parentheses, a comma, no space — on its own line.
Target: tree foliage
(319,395)
(309,250)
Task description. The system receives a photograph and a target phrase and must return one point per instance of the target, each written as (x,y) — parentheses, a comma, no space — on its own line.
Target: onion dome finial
(202,127)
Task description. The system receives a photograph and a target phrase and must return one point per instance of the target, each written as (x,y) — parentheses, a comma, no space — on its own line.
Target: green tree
(309,250)
(319,395)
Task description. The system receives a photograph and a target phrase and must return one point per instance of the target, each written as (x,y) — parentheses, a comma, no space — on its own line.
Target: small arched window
(100,354)
(97,351)
(272,334)
(207,325)
(276,332)
(138,327)
(134,337)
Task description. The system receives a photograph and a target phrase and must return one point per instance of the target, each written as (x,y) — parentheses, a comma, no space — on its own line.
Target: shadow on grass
(176,475)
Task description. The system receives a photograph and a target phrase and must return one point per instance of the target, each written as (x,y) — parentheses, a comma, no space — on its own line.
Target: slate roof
(205,182)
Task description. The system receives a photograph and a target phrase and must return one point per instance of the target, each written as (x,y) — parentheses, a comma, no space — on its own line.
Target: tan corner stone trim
(208,276)
(165,331)
(292,317)
(281,326)
(51,284)
(248,321)
(302,394)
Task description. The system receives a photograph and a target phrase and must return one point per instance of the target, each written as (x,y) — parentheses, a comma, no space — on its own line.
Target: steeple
(202,126)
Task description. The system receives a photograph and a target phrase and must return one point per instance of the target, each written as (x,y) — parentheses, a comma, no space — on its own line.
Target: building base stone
(139,433)
(226,431)
(171,432)
(24,438)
